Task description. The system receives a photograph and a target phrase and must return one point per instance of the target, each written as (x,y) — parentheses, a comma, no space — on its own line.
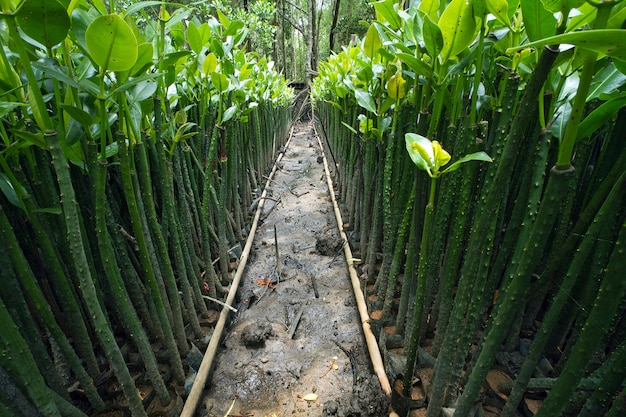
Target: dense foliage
(539,87)
(133,144)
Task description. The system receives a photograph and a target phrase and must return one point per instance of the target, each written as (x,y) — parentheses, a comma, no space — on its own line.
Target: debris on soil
(289,340)
(255,335)
(328,242)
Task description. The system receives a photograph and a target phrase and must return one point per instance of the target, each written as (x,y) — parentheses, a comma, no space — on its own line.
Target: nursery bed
(296,345)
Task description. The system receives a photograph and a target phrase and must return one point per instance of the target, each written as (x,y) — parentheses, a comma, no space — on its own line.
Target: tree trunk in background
(333,25)
(311,44)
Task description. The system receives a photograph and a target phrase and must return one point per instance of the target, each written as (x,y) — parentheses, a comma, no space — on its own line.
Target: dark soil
(296,347)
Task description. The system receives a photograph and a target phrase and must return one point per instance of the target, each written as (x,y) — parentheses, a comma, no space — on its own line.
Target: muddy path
(295,347)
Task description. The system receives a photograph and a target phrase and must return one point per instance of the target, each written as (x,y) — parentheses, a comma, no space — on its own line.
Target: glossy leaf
(9,192)
(219,81)
(210,63)
(433,39)
(372,43)
(599,116)
(458,28)
(46,21)
(611,42)
(112,43)
(608,80)
(539,22)
(386,12)
(229,113)
(417,65)
(80,115)
(431,8)
(476,156)
(500,9)
(365,100)
(396,86)
(145,52)
(420,151)
(194,39)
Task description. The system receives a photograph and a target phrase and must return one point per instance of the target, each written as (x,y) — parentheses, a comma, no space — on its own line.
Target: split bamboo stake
(211,350)
(372,343)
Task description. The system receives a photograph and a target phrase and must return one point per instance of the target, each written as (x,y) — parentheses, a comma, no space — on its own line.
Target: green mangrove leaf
(616,21)
(350,128)
(500,9)
(372,43)
(431,8)
(46,22)
(386,12)
(539,22)
(138,6)
(365,100)
(556,6)
(210,63)
(420,150)
(476,156)
(36,139)
(433,39)
(223,19)
(396,86)
(587,14)
(599,116)
(194,39)
(7,107)
(229,113)
(611,42)
(458,28)
(144,58)
(49,210)
(365,124)
(80,115)
(608,80)
(9,6)
(417,65)
(112,43)
(9,192)
(219,81)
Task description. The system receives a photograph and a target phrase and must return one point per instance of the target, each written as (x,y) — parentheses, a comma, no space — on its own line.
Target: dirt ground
(295,348)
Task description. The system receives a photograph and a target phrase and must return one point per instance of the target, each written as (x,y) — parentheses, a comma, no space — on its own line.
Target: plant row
(479,150)
(134,144)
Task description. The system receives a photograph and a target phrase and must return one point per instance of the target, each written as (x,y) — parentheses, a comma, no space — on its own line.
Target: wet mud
(295,347)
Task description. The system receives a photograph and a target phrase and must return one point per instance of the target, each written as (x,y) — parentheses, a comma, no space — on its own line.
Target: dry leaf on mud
(310,397)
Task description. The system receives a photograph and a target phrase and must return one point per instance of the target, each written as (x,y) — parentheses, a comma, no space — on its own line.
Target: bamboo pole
(211,350)
(372,343)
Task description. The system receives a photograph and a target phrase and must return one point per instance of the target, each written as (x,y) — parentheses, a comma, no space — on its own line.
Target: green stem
(608,298)
(586,75)
(429,218)
(548,212)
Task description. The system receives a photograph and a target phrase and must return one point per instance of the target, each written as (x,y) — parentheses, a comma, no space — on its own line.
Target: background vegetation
(479,155)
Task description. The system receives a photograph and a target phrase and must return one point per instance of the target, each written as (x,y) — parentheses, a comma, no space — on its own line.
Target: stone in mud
(328,242)
(368,400)
(254,335)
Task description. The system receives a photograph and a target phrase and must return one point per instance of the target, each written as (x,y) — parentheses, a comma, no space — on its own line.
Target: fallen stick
(296,320)
(372,343)
(207,361)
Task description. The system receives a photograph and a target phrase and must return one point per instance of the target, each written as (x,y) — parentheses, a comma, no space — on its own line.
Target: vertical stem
(429,218)
(87,287)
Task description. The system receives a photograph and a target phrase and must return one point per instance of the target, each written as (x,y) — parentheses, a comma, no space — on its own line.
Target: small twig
(230,409)
(314,282)
(350,355)
(278,266)
(231,308)
(333,363)
(296,320)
